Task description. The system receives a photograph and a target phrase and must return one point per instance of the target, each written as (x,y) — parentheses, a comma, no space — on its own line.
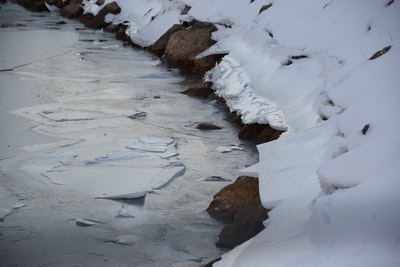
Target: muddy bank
(179,48)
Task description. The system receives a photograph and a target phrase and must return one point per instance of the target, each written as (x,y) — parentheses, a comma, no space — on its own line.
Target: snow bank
(146,20)
(334,185)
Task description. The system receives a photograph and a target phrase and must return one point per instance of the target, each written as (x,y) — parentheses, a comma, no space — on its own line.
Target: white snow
(333,185)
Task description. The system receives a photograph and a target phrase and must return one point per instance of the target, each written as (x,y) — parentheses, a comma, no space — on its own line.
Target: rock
(207,126)
(239,206)
(97,22)
(184,45)
(260,132)
(121,33)
(202,89)
(72,10)
(251,131)
(268,134)
(112,28)
(233,117)
(158,48)
(33,5)
(264,7)
(235,234)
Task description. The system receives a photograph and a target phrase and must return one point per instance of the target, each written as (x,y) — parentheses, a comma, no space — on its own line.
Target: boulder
(184,45)
(112,28)
(233,117)
(33,5)
(97,22)
(259,132)
(239,206)
(158,48)
(72,10)
(202,89)
(207,126)
(235,234)
(121,33)
(268,134)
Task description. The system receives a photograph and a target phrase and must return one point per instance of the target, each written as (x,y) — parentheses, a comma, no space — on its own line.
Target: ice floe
(148,163)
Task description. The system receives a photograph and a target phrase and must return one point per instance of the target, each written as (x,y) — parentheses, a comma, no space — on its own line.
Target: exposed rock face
(239,206)
(184,45)
(97,22)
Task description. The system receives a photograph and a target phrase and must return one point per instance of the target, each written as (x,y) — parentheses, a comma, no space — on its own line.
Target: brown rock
(202,89)
(72,10)
(33,5)
(268,134)
(184,45)
(207,126)
(112,28)
(233,235)
(251,131)
(232,201)
(97,22)
(121,34)
(158,48)
(260,132)
(201,65)
(233,117)
(239,206)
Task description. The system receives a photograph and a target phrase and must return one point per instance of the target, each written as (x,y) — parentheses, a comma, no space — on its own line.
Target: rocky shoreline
(238,205)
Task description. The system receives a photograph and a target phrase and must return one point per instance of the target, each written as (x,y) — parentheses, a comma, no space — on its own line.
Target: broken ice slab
(124,240)
(86,222)
(138,115)
(227,149)
(55,159)
(4,213)
(129,158)
(216,179)
(125,212)
(113,173)
(115,182)
(126,196)
(64,115)
(18,206)
(155,144)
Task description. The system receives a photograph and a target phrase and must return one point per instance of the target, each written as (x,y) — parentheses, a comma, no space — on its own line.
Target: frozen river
(101,162)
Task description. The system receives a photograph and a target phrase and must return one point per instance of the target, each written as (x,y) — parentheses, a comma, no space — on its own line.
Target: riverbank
(327,77)
(179,47)
(108,117)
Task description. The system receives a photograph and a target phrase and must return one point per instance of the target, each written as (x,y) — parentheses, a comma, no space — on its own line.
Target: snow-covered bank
(334,184)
